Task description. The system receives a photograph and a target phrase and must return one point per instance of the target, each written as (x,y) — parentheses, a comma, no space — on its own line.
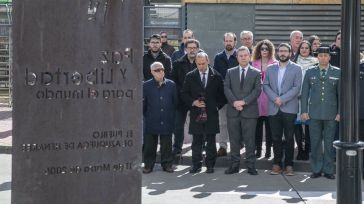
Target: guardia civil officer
(320,104)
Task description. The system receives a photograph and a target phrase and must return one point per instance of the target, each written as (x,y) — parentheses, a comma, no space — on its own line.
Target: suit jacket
(214,100)
(250,92)
(290,88)
(320,96)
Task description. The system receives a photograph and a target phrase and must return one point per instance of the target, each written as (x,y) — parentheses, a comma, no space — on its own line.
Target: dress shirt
(281,72)
(245,71)
(206,75)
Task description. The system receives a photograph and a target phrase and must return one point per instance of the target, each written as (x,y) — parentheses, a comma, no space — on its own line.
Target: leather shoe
(329,176)
(315,175)
(221,152)
(252,171)
(258,154)
(209,170)
(147,170)
(195,170)
(168,169)
(231,170)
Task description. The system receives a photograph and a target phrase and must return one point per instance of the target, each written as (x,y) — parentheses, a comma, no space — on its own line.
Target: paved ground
(184,188)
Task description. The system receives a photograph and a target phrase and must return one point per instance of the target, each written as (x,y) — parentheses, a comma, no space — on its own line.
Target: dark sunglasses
(264,49)
(158,70)
(163,36)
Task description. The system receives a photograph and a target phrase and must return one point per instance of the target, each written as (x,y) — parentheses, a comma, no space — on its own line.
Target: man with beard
(180,68)
(186,35)
(296,38)
(166,47)
(282,84)
(155,54)
(223,61)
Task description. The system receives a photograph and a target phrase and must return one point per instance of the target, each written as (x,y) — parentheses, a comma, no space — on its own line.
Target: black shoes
(252,171)
(147,170)
(232,170)
(258,154)
(209,170)
(195,170)
(221,152)
(267,154)
(329,176)
(315,175)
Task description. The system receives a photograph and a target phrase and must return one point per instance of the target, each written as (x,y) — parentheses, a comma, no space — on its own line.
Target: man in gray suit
(242,86)
(320,104)
(282,84)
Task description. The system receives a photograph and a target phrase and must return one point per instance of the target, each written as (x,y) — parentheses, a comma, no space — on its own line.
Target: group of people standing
(291,90)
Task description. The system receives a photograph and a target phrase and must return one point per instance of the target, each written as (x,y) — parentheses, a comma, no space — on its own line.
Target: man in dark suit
(180,69)
(223,61)
(203,93)
(282,84)
(242,86)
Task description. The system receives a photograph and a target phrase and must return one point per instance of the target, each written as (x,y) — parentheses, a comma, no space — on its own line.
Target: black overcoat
(214,98)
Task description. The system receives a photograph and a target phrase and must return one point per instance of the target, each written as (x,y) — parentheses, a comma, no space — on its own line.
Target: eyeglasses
(163,36)
(192,48)
(264,49)
(158,70)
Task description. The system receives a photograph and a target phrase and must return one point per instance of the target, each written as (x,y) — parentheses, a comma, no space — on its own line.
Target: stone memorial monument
(77,124)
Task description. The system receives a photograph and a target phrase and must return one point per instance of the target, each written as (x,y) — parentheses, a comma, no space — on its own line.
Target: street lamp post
(348,168)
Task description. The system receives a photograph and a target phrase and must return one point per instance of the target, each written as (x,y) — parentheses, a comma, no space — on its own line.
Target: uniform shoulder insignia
(336,68)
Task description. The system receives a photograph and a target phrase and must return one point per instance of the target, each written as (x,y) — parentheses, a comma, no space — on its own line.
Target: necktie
(323,74)
(242,79)
(204,79)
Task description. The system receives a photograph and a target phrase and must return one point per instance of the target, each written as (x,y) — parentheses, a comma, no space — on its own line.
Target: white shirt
(281,72)
(245,71)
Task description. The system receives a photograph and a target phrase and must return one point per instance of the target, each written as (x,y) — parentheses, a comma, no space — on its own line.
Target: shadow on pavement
(5,134)
(5,186)
(204,185)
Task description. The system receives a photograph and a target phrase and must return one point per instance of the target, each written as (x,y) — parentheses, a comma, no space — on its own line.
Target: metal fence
(163,18)
(5,53)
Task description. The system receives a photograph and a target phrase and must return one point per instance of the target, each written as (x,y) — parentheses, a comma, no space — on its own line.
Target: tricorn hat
(323,50)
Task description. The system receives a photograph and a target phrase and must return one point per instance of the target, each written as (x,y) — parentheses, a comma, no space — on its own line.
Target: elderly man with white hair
(247,39)
(159,107)
(295,38)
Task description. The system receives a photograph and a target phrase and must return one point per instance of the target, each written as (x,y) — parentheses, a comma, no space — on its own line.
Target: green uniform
(320,99)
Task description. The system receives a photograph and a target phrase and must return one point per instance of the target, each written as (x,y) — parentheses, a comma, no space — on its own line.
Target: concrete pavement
(184,188)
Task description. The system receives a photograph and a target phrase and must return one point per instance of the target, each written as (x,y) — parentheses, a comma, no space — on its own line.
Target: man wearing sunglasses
(167,48)
(159,106)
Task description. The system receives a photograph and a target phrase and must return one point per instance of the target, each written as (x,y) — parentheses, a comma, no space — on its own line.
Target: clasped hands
(238,105)
(199,103)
